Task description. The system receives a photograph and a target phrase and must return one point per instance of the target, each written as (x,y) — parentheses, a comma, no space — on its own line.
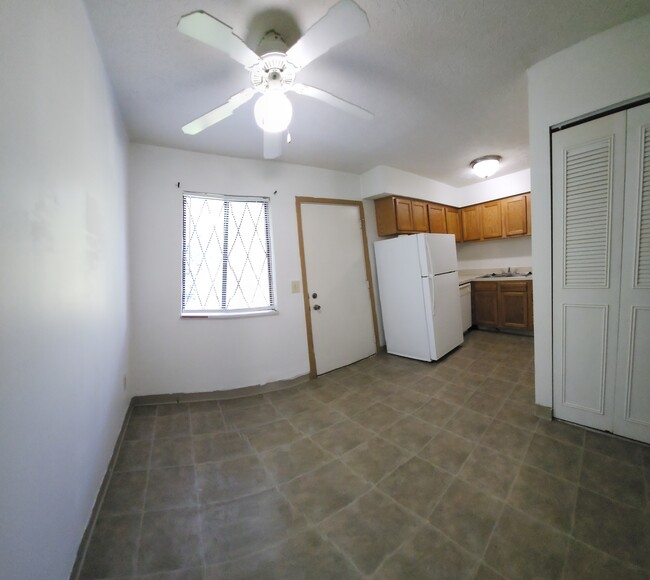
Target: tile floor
(390,468)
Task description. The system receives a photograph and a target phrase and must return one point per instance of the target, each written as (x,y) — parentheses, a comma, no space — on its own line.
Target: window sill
(224,315)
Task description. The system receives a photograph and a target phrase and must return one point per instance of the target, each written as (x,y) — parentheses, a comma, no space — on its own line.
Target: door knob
(316,306)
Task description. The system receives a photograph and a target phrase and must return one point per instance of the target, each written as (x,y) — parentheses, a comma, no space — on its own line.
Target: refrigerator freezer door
(445,322)
(401,298)
(437,253)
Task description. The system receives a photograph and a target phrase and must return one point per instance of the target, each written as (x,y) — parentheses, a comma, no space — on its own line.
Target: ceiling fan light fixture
(273,112)
(486,166)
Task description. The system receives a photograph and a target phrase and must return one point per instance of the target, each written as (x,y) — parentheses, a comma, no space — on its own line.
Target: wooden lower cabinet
(485,304)
(506,305)
(513,305)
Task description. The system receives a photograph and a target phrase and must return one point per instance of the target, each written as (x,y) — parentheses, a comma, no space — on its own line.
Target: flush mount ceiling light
(485,166)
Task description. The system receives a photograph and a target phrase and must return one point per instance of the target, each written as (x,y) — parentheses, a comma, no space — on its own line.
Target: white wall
(603,70)
(382,180)
(496,254)
(63,336)
(494,188)
(170,354)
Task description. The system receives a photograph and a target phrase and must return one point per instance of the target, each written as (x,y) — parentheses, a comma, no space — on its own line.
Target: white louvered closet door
(632,409)
(588,183)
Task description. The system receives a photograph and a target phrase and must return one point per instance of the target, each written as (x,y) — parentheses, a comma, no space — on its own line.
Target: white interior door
(632,408)
(338,285)
(588,181)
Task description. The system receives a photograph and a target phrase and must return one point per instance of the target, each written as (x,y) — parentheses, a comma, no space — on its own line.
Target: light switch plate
(295,286)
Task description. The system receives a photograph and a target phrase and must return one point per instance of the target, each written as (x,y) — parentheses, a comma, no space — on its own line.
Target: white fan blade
(273,144)
(218,114)
(343,21)
(330,99)
(201,26)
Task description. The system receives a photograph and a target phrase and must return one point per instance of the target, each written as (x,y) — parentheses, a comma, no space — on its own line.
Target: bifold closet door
(588,185)
(632,410)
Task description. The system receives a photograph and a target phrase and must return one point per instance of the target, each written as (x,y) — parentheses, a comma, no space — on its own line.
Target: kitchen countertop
(465,276)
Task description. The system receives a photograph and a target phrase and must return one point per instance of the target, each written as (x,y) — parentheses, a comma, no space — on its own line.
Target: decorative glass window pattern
(226,255)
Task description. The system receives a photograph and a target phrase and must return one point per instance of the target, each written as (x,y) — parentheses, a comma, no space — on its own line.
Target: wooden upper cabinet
(385,216)
(501,218)
(420,216)
(437,220)
(528,216)
(404,213)
(452,220)
(491,220)
(515,215)
(400,215)
(471,223)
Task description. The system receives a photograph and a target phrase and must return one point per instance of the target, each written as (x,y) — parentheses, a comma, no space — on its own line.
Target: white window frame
(226,312)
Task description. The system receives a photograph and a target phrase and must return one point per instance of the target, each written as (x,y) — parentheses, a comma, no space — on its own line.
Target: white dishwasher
(466,305)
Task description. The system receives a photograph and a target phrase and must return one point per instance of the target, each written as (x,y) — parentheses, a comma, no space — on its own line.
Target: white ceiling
(445,78)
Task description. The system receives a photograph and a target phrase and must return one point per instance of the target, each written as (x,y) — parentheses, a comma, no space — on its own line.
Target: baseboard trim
(90,527)
(544,412)
(142,400)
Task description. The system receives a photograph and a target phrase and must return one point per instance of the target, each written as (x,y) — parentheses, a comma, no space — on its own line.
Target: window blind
(227,264)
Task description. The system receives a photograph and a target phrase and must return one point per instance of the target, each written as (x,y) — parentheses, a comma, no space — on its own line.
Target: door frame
(303,268)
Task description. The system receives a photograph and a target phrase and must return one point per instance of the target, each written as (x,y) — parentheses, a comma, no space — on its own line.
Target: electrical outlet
(295,286)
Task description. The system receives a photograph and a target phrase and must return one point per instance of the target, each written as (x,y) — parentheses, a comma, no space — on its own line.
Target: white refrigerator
(418,293)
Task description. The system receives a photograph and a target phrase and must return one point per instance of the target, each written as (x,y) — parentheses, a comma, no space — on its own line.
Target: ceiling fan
(273,73)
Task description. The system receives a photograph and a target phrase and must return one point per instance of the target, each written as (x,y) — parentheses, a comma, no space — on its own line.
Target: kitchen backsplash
(495,254)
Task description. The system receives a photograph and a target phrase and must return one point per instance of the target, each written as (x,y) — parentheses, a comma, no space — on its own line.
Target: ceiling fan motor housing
(273,72)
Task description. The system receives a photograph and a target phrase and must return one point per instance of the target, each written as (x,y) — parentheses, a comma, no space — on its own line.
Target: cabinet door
(529,228)
(452,220)
(385,216)
(471,223)
(437,222)
(513,305)
(420,217)
(491,224)
(404,215)
(485,304)
(515,217)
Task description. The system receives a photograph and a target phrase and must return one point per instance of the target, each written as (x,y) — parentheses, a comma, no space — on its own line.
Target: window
(226,255)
